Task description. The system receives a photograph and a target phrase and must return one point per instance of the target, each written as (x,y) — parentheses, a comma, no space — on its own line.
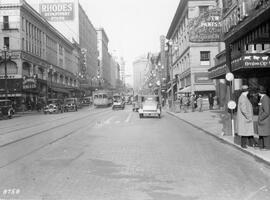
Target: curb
(256,157)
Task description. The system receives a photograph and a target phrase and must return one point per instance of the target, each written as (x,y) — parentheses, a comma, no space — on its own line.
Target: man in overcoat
(264,120)
(245,127)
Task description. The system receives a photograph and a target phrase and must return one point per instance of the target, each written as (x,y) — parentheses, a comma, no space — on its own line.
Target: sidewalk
(215,123)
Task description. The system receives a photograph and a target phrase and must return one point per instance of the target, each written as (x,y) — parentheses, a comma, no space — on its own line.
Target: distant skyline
(133,27)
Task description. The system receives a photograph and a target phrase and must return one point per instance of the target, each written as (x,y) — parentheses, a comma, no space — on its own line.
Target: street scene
(106,154)
(134,100)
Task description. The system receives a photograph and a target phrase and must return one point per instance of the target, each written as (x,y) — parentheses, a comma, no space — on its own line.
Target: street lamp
(168,49)
(6,55)
(50,71)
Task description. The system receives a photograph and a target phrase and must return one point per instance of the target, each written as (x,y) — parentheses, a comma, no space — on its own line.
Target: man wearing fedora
(245,127)
(264,119)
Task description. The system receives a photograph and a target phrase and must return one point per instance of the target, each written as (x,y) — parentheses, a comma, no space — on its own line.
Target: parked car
(6,109)
(54,106)
(150,107)
(71,104)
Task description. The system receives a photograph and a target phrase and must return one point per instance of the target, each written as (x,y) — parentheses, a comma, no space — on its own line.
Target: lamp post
(168,49)
(50,71)
(6,56)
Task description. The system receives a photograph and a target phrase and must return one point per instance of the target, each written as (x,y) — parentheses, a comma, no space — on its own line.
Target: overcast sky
(133,26)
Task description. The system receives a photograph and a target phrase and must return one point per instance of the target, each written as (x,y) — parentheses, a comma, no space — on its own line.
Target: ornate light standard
(50,71)
(6,57)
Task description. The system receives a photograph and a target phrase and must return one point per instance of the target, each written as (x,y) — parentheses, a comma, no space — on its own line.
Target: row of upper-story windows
(34,38)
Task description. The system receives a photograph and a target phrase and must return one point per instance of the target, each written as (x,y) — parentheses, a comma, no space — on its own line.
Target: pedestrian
(264,119)
(245,127)
(185,102)
(200,103)
(192,102)
(211,101)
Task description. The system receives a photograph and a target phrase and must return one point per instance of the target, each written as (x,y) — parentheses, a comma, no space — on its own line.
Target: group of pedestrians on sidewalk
(245,124)
(193,102)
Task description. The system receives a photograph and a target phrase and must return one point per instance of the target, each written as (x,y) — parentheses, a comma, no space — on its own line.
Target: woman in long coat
(245,127)
(264,120)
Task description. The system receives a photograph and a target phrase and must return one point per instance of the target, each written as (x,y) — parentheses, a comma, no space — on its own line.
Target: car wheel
(159,116)
(10,116)
(141,115)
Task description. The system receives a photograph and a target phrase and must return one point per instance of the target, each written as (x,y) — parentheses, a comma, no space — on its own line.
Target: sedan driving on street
(150,107)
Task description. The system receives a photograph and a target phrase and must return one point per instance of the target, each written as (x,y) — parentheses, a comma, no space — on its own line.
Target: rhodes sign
(61,11)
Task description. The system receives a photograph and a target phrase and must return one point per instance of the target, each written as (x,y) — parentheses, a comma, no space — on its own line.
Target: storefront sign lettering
(57,11)
(29,83)
(206,27)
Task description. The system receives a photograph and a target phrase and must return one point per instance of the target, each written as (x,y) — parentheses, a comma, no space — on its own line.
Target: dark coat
(264,116)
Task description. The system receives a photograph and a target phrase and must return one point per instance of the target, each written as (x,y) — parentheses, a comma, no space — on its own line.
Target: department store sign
(61,11)
(206,27)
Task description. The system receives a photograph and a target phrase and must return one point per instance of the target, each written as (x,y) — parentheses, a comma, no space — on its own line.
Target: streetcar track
(43,131)
(38,124)
(46,144)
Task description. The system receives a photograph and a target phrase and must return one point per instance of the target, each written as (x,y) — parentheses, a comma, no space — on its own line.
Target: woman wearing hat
(245,127)
(264,120)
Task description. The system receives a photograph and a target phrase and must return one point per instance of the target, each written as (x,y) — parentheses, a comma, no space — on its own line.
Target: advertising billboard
(206,27)
(58,11)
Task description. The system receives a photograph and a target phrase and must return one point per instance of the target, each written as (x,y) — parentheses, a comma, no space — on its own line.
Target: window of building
(23,44)
(23,23)
(203,9)
(5,22)
(60,50)
(205,57)
(6,42)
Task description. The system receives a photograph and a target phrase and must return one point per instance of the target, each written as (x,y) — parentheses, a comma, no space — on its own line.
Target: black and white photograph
(134,100)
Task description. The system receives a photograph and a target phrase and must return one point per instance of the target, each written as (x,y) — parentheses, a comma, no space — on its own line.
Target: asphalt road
(101,154)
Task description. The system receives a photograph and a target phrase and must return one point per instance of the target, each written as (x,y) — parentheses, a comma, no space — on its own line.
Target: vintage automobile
(54,106)
(6,109)
(87,101)
(150,107)
(118,102)
(71,104)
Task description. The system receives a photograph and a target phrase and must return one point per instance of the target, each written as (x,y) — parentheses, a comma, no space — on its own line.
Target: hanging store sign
(29,83)
(61,11)
(251,61)
(206,27)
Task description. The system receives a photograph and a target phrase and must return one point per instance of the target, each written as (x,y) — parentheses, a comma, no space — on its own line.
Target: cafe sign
(29,83)
(251,61)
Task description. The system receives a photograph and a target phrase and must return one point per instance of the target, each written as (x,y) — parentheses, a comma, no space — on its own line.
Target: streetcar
(102,98)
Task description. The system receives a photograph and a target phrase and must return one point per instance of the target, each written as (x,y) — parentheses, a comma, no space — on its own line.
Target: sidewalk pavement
(217,123)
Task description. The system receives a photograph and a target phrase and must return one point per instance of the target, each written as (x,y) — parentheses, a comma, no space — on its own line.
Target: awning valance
(185,90)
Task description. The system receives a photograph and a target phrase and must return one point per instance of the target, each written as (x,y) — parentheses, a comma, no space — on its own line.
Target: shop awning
(185,90)
(61,90)
(198,88)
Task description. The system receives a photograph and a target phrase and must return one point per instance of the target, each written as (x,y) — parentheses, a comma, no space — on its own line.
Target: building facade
(104,59)
(69,18)
(42,61)
(194,42)
(139,73)
(246,30)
